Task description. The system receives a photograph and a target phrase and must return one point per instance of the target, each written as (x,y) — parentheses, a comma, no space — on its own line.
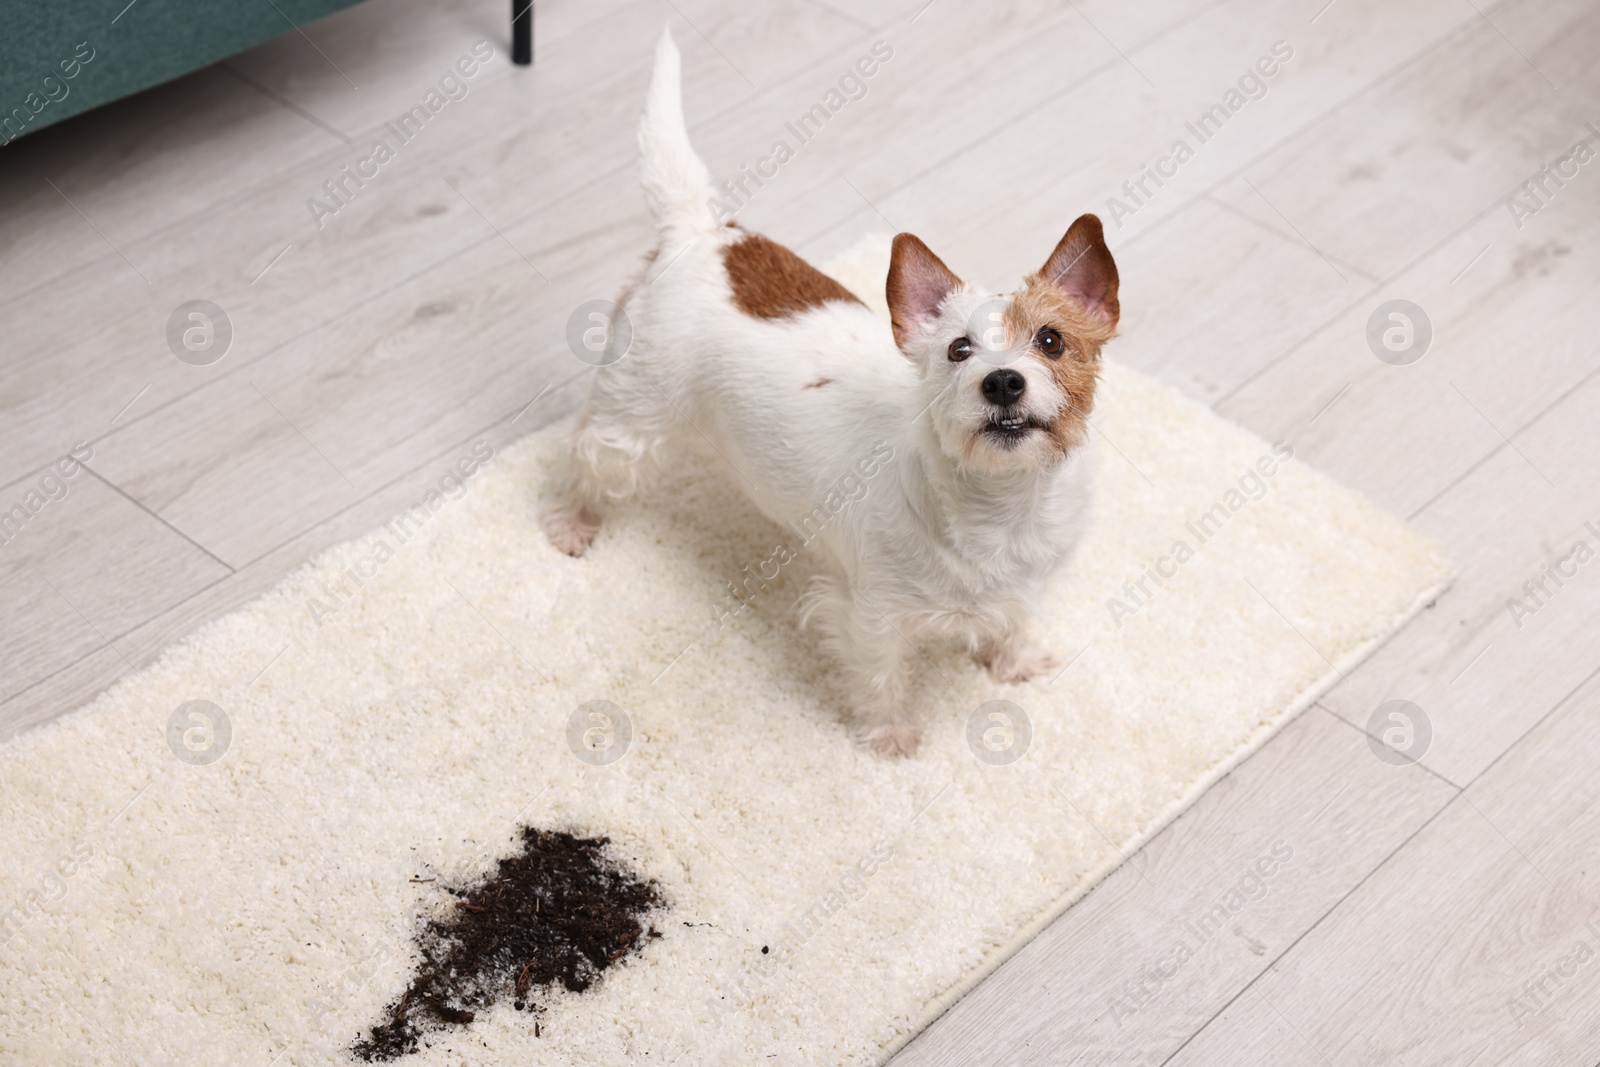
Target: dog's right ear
(918,283)
(1082,268)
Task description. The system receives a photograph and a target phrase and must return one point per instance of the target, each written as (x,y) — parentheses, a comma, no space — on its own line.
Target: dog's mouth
(1010,429)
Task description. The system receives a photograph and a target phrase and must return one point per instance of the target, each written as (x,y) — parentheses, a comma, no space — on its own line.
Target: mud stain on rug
(561,909)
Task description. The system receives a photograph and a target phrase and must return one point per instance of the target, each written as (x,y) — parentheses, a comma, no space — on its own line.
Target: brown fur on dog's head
(1075,293)
(1050,330)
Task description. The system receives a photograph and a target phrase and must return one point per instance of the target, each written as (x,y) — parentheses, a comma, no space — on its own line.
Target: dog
(975,406)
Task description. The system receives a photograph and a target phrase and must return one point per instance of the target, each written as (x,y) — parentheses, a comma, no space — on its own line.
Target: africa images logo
(1252,85)
(403,129)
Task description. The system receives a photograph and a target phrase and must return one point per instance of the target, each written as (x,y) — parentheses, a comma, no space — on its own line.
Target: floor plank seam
(1503,445)
(1459,794)
(332,153)
(286,103)
(1471,221)
(1052,98)
(1557,706)
(1307,126)
(1308,930)
(309,331)
(1415,763)
(115,488)
(18,694)
(1291,239)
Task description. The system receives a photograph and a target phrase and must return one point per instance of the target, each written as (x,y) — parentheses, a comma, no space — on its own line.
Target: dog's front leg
(1010,657)
(884,722)
(877,666)
(873,654)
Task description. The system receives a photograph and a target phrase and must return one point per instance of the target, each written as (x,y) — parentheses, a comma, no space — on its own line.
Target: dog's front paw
(572,530)
(892,740)
(1014,665)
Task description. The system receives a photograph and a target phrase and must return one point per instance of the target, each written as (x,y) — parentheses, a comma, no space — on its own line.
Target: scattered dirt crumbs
(560,910)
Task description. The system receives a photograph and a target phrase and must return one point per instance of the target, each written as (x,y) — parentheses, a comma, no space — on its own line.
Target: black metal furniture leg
(522,32)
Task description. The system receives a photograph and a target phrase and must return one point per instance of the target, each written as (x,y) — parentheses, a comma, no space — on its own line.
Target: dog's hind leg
(615,450)
(630,417)
(574,519)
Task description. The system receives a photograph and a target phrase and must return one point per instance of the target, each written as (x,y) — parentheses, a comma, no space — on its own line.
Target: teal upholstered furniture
(60,57)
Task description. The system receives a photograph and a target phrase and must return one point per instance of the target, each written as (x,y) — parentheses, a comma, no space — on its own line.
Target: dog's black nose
(1003,386)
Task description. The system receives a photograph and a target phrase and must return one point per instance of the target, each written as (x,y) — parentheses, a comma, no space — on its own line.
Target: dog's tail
(677,185)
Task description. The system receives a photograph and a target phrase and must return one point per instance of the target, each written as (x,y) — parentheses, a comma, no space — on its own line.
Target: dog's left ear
(918,283)
(1082,268)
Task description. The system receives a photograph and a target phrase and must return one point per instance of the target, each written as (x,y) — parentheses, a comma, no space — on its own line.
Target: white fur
(952,539)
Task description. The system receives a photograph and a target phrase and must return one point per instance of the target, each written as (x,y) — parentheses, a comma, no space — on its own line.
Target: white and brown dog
(984,401)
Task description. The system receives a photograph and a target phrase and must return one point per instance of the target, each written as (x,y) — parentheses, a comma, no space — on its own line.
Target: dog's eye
(960,349)
(1048,342)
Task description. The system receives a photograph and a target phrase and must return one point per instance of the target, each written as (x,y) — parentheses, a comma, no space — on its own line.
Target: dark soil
(559,910)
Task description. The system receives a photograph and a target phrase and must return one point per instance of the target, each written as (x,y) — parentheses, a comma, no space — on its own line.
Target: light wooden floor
(1420,902)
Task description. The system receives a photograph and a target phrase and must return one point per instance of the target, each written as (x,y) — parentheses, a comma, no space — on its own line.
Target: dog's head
(1009,380)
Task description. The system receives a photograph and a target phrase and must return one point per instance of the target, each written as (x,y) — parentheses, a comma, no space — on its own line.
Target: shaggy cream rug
(222,859)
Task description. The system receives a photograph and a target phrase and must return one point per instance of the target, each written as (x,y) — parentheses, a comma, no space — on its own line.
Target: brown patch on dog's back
(771,282)
(819,383)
